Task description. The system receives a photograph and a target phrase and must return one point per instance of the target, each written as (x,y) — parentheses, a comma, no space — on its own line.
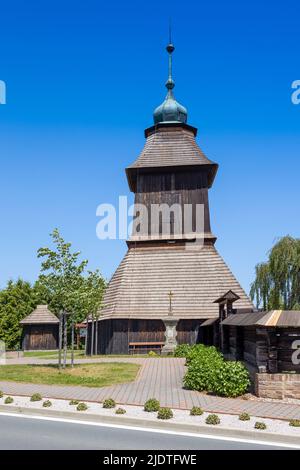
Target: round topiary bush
(213,420)
(295,423)
(260,426)
(152,354)
(165,413)
(196,411)
(151,405)
(120,411)
(244,417)
(36,397)
(8,400)
(74,402)
(47,404)
(82,407)
(109,403)
(230,380)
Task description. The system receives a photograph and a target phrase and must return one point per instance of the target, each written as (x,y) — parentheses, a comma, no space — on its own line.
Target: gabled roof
(229,296)
(41,315)
(145,277)
(171,145)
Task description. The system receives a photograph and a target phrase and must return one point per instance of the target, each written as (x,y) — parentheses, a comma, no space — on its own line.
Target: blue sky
(82,81)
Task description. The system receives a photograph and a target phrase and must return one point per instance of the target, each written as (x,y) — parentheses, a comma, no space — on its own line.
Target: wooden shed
(267,340)
(40,330)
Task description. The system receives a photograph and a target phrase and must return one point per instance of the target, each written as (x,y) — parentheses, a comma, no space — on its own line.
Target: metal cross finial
(170,30)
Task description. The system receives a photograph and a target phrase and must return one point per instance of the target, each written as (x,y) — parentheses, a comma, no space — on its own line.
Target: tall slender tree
(277,282)
(61,275)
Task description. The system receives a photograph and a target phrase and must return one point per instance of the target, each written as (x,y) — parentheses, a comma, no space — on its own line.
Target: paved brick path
(159,378)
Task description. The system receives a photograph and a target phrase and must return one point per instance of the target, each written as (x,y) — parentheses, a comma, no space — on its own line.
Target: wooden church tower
(166,285)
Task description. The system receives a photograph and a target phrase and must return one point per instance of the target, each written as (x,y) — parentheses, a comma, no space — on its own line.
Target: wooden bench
(147,346)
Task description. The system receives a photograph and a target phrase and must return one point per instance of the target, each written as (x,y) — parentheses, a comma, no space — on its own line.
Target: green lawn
(89,375)
(77,354)
(51,354)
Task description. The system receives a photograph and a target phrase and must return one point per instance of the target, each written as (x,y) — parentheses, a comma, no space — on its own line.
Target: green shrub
(151,405)
(36,397)
(244,417)
(202,368)
(82,407)
(295,423)
(165,413)
(8,400)
(1,394)
(120,411)
(196,411)
(182,350)
(200,351)
(231,380)
(74,402)
(152,354)
(214,420)
(208,371)
(47,404)
(261,426)
(109,403)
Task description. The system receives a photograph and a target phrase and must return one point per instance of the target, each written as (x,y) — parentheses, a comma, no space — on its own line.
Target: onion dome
(170,110)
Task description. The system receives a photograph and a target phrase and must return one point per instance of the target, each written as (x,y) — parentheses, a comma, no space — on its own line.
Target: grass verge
(89,375)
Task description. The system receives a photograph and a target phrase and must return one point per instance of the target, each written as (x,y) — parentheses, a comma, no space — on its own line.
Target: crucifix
(170,294)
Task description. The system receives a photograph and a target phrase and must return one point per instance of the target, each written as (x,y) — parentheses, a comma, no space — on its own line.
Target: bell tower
(163,291)
(172,171)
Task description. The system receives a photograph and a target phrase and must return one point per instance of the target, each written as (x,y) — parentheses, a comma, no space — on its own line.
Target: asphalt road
(18,433)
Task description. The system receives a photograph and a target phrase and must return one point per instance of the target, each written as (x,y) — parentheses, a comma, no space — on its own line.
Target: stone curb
(216,432)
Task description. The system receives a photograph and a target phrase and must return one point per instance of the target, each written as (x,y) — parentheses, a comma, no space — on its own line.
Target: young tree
(61,276)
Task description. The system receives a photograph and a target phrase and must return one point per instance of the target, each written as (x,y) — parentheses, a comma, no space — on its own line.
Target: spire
(170,110)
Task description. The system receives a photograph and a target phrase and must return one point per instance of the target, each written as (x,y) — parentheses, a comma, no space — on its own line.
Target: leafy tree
(62,278)
(61,273)
(17,300)
(277,282)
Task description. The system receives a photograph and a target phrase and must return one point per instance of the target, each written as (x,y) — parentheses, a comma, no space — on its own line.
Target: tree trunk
(72,341)
(96,337)
(86,336)
(92,336)
(60,339)
(65,340)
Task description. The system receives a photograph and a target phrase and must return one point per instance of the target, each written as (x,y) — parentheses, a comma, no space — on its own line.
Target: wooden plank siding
(173,188)
(188,331)
(40,337)
(114,336)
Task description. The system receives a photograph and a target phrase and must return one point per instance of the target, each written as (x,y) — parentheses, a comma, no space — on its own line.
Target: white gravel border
(180,416)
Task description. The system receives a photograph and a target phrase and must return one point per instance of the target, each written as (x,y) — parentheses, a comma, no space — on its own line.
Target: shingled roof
(41,315)
(141,285)
(173,146)
(273,318)
(280,319)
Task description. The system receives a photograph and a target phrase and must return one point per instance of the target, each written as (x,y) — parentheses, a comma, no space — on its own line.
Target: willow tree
(277,282)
